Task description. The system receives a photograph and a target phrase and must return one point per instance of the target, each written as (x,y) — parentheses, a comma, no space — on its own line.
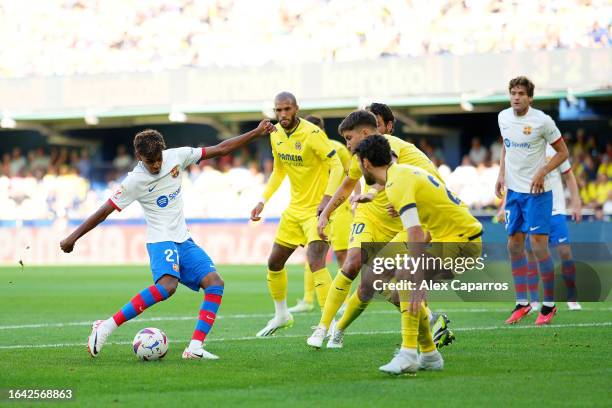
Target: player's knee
(351,267)
(516,249)
(316,254)
(365,293)
(169,283)
(275,264)
(565,252)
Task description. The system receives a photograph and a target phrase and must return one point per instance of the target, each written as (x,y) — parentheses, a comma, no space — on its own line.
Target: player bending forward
(155,183)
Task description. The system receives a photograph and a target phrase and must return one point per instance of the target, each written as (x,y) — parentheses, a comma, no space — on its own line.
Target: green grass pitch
(47,312)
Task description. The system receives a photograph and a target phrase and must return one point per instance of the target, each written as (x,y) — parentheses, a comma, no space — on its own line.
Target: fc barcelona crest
(527,130)
(298,145)
(175,171)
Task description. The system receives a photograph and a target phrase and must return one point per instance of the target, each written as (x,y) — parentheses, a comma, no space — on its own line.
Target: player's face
(365,169)
(152,164)
(519,100)
(286,114)
(355,136)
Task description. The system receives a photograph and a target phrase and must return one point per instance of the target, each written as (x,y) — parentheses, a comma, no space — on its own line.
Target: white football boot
(574,306)
(198,354)
(276,323)
(433,361)
(317,337)
(405,361)
(301,307)
(97,338)
(336,339)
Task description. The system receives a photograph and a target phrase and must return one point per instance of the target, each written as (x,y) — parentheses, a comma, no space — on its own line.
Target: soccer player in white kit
(523,169)
(559,235)
(155,183)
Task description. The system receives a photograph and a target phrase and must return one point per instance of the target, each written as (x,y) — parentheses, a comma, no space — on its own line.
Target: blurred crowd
(68,37)
(40,185)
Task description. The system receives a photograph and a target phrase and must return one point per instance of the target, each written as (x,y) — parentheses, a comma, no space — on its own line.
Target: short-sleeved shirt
(525,139)
(306,156)
(406,153)
(160,194)
(441,213)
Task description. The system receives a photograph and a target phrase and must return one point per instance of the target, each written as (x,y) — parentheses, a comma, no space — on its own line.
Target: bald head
(285,97)
(286,110)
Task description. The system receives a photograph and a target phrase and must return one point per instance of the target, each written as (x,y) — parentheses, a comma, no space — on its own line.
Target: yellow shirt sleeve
(322,147)
(277,176)
(354,169)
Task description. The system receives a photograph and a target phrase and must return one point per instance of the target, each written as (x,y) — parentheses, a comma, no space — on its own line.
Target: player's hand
(323,221)
(67,245)
(265,127)
(500,186)
(577,212)
(537,184)
(391,211)
(362,198)
(501,216)
(255,212)
(417,297)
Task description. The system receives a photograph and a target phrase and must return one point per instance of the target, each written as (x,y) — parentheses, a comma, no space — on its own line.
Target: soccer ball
(150,344)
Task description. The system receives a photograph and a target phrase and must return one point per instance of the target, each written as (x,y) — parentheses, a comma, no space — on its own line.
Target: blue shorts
(185,261)
(559,234)
(528,213)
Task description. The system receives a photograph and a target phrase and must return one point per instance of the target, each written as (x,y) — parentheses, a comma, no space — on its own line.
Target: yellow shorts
(369,228)
(296,229)
(340,227)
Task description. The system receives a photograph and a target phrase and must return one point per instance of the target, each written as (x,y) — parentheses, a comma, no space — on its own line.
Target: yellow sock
(354,307)
(308,285)
(410,324)
(425,338)
(322,283)
(277,284)
(338,292)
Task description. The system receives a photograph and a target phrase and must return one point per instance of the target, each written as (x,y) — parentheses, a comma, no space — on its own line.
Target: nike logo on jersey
(151,189)
(533,228)
(279,143)
(390,184)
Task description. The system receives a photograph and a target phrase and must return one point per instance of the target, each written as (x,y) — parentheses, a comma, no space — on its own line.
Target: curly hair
(149,143)
(376,149)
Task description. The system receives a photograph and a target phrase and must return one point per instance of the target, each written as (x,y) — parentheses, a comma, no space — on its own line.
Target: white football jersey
(556,182)
(160,194)
(525,139)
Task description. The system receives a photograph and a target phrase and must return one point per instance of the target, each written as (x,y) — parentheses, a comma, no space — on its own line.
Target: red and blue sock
(145,299)
(547,270)
(568,270)
(208,312)
(533,281)
(519,275)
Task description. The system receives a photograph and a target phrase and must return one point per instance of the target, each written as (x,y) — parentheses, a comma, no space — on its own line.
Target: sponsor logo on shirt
(509,144)
(163,201)
(295,158)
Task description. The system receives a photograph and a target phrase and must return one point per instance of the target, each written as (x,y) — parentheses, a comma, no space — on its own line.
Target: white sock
(549,304)
(430,353)
(409,351)
(194,345)
(110,325)
(280,308)
(522,302)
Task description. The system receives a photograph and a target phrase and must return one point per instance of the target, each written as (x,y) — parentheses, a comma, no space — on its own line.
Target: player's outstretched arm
(67,244)
(340,196)
(228,146)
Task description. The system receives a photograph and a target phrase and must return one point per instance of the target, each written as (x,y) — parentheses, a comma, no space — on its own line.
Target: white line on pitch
(251,315)
(357,333)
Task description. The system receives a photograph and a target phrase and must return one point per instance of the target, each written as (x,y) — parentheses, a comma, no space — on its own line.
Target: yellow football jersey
(441,213)
(307,157)
(406,153)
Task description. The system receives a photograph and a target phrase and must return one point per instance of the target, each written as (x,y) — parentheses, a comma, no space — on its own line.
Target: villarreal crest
(298,145)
